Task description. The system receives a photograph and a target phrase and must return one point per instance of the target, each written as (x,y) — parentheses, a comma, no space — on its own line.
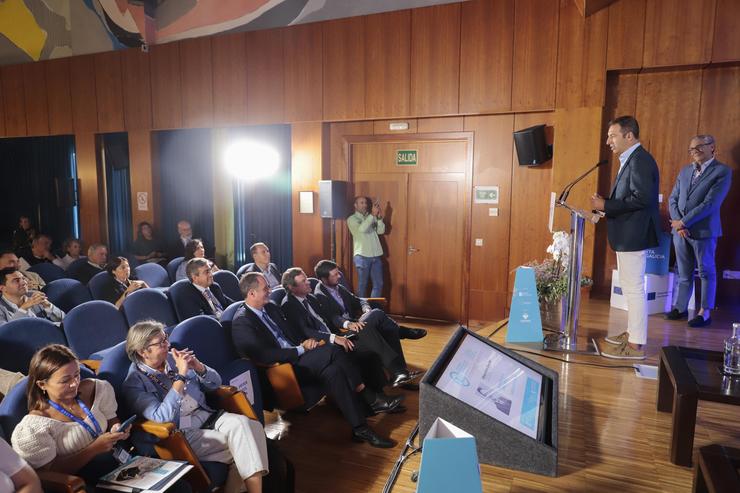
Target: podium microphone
(566,191)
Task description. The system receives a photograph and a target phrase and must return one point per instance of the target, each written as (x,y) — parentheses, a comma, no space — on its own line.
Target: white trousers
(235,440)
(631,266)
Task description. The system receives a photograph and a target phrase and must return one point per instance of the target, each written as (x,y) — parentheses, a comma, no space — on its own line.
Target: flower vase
(553,315)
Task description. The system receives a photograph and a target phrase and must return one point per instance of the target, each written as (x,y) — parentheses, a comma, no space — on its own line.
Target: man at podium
(632,222)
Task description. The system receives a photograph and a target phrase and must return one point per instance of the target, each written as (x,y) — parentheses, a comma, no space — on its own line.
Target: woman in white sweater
(72,425)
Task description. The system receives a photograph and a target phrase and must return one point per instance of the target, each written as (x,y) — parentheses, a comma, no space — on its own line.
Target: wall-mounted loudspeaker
(333,200)
(531,146)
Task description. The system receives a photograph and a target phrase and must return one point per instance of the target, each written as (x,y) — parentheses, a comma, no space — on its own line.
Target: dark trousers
(332,367)
(387,328)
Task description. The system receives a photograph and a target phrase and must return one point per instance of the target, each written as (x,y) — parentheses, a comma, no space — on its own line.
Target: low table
(685,376)
(717,470)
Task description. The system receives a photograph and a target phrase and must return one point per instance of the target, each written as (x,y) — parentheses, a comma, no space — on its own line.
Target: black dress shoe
(700,322)
(401,378)
(410,386)
(386,403)
(365,434)
(676,315)
(409,333)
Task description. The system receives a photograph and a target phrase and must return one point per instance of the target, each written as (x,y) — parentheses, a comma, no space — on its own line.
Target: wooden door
(436,219)
(391,191)
(427,213)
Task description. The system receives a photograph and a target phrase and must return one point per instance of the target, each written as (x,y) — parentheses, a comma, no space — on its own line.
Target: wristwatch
(179,378)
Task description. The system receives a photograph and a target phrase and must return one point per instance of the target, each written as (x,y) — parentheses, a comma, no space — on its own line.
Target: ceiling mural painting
(32,30)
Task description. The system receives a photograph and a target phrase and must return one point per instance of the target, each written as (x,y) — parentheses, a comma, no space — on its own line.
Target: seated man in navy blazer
(346,311)
(694,207)
(369,350)
(261,256)
(202,296)
(260,332)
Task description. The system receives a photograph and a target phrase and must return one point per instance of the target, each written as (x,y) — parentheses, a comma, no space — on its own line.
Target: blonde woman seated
(194,249)
(167,385)
(71,426)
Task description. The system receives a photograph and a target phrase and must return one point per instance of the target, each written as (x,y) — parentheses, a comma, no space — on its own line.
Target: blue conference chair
(97,283)
(74,267)
(48,271)
(148,303)
(313,282)
(229,284)
(172,267)
(67,293)
(154,275)
(277,295)
(93,327)
(244,268)
(19,339)
(212,345)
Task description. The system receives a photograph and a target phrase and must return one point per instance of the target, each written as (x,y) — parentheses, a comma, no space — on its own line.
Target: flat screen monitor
(496,384)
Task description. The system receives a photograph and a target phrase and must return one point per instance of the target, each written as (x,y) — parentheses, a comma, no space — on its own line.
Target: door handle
(413,250)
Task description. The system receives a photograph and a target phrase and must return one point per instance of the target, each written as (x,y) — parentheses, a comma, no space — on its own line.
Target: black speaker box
(333,200)
(531,146)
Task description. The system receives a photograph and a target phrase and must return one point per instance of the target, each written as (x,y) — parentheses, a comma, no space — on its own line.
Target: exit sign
(406,157)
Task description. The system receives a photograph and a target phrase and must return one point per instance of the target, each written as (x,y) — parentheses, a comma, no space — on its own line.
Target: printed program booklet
(144,474)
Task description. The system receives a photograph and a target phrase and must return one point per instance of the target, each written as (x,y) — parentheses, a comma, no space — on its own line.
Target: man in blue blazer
(694,206)
(632,222)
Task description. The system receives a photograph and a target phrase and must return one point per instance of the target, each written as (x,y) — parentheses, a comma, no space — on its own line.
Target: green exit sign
(406,157)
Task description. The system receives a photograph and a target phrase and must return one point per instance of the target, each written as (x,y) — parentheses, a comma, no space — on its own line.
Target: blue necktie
(276,331)
(318,324)
(217,308)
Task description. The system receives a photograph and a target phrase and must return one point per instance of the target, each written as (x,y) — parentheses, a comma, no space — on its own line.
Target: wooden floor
(611,438)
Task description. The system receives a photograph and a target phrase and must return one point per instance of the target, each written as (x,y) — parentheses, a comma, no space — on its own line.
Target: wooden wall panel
(726,46)
(581,68)
(668,113)
(530,204)
(140,174)
(82,87)
(265,76)
(486,56)
(678,32)
(59,96)
(109,91)
(13,93)
(196,74)
(308,246)
(137,89)
(37,108)
(535,54)
(344,69)
(489,263)
(303,57)
(435,60)
(444,124)
(720,116)
(90,200)
(626,34)
(387,64)
(229,54)
(383,126)
(166,85)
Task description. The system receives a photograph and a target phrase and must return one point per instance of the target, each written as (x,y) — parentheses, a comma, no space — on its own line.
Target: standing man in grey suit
(633,223)
(694,206)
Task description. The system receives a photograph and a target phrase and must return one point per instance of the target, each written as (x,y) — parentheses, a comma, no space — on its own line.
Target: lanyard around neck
(94,433)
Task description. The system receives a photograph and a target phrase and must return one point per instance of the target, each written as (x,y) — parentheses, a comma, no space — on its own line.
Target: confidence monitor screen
(495,384)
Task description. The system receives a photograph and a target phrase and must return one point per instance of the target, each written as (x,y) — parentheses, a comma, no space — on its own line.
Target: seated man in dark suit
(260,332)
(97,257)
(345,310)
(40,250)
(304,311)
(202,296)
(261,256)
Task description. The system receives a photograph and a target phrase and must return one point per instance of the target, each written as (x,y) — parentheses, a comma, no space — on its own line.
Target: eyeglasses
(163,343)
(698,147)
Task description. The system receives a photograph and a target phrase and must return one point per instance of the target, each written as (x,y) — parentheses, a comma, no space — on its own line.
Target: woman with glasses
(169,386)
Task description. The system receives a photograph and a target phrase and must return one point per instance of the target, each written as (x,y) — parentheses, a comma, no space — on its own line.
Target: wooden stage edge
(611,437)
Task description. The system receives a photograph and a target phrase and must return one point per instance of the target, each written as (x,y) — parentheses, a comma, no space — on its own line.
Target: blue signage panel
(525,324)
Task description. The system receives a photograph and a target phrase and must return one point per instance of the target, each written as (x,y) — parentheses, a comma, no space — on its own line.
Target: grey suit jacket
(8,312)
(698,205)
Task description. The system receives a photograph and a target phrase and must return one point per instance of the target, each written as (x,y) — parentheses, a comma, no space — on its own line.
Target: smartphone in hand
(126,424)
